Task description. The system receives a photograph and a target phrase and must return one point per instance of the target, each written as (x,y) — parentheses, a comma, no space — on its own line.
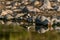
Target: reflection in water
(5,36)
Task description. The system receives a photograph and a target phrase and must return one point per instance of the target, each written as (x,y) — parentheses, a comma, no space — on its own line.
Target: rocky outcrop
(18,8)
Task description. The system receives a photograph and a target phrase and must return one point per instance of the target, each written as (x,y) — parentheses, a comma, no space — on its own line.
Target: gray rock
(58,8)
(31,0)
(1,16)
(17,4)
(9,16)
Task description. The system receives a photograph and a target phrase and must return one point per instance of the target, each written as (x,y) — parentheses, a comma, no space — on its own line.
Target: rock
(8,2)
(36,10)
(16,10)
(24,1)
(2,22)
(30,8)
(5,12)
(14,7)
(58,8)
(36,3)
(2,6)
(17,4)
(46,5)
(57,29)
(58,0)
(8,22)
(31,0)
(1,16)
(9,17)
(25,10)
(8,7)
(43,30)
(18,15)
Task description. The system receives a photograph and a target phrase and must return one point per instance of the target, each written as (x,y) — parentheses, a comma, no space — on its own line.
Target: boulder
(46,5)
(9,17)
(58,0)
(8,22)
(18,15)
(8,7)
(30,8)
(5,12)
(58,8)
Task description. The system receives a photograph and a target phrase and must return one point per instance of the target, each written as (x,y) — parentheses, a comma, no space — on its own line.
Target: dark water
(5,36)
(30,36)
